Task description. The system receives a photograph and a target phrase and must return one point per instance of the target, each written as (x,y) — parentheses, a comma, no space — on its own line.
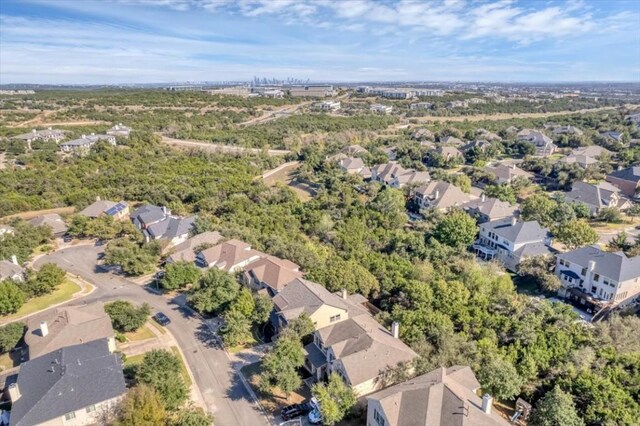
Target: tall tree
(500,378)
(11,298)
(163,371)
(336,399)
(141,406)
(236,329)
(10,335)
(179,275)
(575,233)
(456,229)
(214,291)
(555,408)
(279,366)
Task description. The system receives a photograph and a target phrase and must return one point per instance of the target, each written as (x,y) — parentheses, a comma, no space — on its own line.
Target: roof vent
(487,403)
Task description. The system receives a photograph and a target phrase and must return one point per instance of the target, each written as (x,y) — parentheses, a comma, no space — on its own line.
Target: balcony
(483,251)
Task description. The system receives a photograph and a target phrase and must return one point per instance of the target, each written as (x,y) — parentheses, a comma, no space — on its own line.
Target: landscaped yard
(143,333)
(61,294)
(137,359)
(9,360)
(272,403)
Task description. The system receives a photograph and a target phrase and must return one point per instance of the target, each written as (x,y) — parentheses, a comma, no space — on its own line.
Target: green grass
(157,326)
(272,402)
(143,333)
(61,294)
(255,340)
(133,360)
(183,367)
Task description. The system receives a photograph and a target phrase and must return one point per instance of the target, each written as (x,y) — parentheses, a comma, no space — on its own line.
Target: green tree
(539,269)
(263,308)
(502,192)
(390,205)
(125,317)
(236,329)
(300,327)
(132,258)
(339,274)
(244,303)
(77,225)
(162,370)
(45,280)
(456,229)
(179,275)
(610,215)
(538,207)
(336,399)
(575,233)
(11,298)
(10,335)
(191,416)
(141,406)
(555,408)
(213,292)
(500,378)
(103,228)
(279,366)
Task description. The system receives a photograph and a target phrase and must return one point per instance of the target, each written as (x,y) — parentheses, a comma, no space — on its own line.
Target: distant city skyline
(156,41)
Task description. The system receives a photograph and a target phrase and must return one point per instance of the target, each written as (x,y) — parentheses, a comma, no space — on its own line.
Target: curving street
(215,374)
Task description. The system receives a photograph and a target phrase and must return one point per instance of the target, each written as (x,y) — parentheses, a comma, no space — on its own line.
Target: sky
(158,41)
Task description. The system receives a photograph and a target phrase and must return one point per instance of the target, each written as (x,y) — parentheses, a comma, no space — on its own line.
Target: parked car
(295,410)
(162,319)
(314,417)
(67,238)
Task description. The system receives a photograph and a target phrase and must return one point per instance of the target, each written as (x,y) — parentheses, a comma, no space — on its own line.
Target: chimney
(93,134)
(14,260)
(513,167)
(164,210)
(14,392)
(487,403)
(34,131)
(592,265)
(395,329)
(120,124)
(48,128)
(98,198)
(483,197)
(84,136)
(344,293)
(437,194)
(44,328)
(514,220)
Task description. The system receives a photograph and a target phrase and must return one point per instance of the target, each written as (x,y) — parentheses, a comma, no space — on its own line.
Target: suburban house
(487,135)
(46,135)
(450,140)
(442,397)
(567,130)
(52,220)
(507,173)
(449,152)
(543,143)
(633,118)
(583,161)
(230,256)
(510,241)
(352,165)
(598,274)
(439,195)
(353,150)
(172,228)
(85,142)
(421,105)
(597,197)
(74,385)
(328,105)
(68,326)
(148,214)
(11,270)
(487,209)
(396,176)
(422,134)
(303,296)
(612,136)
(119,131)
(270,273)
(594,151)
(359,349)
(478,144)
(628,180)
(187,250)
(117,210)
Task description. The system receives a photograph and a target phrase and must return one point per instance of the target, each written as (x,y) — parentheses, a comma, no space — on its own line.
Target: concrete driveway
(222,390)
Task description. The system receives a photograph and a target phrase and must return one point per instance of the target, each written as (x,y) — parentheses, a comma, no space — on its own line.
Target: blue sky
(136,41)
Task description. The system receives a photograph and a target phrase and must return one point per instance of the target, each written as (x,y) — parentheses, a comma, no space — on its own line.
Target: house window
(378,418)
(91,408)
(596,277)
(593,289)
(70,416)
(334,318)
(584,271)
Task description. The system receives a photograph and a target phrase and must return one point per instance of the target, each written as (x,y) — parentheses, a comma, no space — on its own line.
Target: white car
(315,417)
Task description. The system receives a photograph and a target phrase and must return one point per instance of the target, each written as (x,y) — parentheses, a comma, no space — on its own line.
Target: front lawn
(143,333)
(137,359)
(62,293)
(272,402)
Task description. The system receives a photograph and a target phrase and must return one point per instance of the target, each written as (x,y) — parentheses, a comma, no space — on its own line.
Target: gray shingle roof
(171,227)
(9,269)
(53,220)
(96,209)
(631,174)
(601,195)
(616,266)
(148,213)
(521,232)
(301,295)
(66,380)
(436,399)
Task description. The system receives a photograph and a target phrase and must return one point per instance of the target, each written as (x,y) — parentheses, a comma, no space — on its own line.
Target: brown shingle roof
(273,271)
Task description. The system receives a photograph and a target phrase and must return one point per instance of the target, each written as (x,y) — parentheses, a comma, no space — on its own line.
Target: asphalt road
(223,392)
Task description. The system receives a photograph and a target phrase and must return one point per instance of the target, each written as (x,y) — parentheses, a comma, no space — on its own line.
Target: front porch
(483,252)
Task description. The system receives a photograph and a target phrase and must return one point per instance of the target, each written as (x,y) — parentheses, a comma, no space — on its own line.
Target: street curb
(254,396)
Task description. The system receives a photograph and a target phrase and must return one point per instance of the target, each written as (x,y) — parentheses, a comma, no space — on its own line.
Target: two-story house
(230,256)
(439,195)
(445,396)
(72,386)
(84,143)
(543,143)
(628,180)
(187,250)
(486,209)
(270,273)
(510,241)
(119,130)
(506,173)
(611,277)
(597,196)
(396,176)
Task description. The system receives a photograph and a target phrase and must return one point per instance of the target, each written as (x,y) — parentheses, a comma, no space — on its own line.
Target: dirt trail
(33,213)
(208,146)
(504,116)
